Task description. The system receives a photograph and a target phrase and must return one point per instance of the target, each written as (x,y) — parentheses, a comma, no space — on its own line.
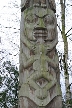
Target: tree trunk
(65,56)
(39,70)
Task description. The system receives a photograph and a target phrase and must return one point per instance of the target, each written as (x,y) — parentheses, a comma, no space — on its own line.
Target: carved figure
(39,73)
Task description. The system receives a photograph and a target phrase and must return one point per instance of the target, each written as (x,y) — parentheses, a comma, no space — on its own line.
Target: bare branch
(3,58)
(59,28)
(68,31)
(70,39)
(69,35)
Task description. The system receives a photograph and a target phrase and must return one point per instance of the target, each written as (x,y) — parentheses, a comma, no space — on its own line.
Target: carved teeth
(40,33)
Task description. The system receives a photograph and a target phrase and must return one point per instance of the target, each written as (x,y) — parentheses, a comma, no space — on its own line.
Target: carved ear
(52,5)
(27,4)
(23,8)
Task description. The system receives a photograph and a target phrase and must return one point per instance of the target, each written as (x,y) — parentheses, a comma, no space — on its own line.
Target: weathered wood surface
(39,69)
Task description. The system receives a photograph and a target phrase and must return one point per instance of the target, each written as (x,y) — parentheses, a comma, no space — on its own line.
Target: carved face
(39,23)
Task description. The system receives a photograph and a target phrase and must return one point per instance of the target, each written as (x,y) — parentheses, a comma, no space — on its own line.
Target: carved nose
(40,23)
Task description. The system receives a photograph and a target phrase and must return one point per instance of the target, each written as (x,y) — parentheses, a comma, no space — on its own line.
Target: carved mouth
(40,33)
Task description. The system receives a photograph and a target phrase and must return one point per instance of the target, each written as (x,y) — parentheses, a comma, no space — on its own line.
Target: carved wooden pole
(39,69)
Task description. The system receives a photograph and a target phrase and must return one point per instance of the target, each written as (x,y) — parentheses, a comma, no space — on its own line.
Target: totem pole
(39,70)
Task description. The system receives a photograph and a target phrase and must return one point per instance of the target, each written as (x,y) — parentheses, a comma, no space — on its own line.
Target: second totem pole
(39,70)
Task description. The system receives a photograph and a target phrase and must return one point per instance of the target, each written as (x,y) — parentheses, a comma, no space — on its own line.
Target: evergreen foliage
(9,86)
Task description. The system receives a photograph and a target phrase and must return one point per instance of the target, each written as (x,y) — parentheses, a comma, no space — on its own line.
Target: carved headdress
(43,3)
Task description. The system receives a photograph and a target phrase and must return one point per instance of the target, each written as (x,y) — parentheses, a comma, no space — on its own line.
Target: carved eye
(31,19)
(34,19)
(49,19)
(27,20)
